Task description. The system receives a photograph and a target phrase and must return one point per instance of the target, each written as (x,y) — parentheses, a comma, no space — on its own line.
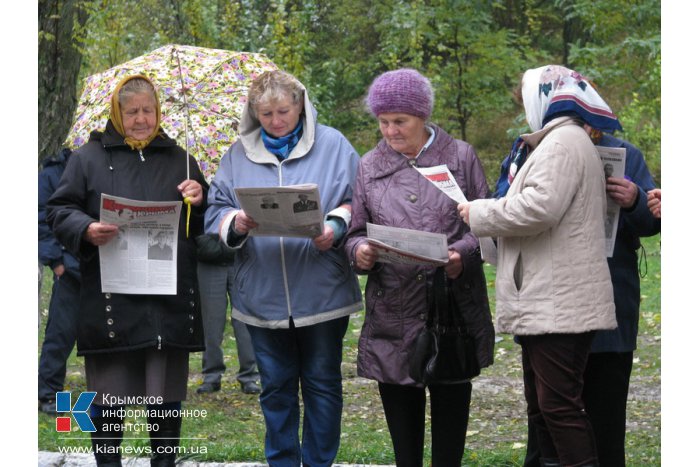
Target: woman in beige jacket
(553,288)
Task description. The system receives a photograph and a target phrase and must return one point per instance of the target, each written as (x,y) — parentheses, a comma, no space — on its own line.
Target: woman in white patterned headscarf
(553,288)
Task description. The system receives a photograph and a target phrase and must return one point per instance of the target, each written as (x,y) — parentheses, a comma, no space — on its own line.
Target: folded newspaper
(613,160)
(406,246)
(283,211)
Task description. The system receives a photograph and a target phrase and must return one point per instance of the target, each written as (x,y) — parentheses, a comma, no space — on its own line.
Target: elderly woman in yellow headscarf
(136,346)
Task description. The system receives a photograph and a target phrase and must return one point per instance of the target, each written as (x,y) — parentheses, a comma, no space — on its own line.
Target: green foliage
(622,53)
(473,52)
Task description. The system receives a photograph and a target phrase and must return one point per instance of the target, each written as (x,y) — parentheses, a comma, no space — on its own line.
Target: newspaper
(284,211)
(442,178)
(142,258)
(613,160)
(406,246)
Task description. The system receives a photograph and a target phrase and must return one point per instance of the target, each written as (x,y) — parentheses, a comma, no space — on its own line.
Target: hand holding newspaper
(142,258)
(613,160)
(441,177)
(406,246)
(283,211)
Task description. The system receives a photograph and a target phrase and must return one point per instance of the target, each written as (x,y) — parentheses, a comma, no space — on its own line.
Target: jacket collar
(534,139)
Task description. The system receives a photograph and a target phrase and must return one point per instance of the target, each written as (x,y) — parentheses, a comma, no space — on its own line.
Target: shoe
(48,406)
(207,388)
(251,387)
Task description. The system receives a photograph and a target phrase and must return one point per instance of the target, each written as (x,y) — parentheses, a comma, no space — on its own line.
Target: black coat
(110,322)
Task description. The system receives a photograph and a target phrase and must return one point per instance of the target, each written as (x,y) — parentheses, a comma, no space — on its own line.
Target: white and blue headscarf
(549,92)
(552,90)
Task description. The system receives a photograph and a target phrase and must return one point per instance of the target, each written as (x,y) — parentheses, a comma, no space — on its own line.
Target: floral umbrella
(202,93)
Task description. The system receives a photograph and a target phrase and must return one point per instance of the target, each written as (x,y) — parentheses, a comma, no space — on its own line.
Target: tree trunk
(59,66)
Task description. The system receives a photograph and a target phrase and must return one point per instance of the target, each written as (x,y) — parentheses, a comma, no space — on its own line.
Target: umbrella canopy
(202,93)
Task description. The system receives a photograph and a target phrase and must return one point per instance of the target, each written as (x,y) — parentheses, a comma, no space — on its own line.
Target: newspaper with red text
(441,177)
(142,258)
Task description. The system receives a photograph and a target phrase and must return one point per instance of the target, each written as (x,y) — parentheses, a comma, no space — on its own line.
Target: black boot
(165,441)
(107,440)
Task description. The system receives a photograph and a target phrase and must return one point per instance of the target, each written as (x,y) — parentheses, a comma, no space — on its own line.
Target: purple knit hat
(402,91)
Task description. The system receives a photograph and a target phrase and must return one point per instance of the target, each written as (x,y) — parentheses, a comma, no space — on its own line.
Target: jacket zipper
(284,264)
(143,159)
(159,342)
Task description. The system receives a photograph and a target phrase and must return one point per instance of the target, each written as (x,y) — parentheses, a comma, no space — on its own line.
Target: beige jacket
(552,274)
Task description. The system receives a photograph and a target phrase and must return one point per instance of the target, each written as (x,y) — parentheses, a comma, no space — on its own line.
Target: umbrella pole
(187,200)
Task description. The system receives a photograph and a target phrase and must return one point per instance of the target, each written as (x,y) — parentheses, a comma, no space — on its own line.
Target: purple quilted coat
(388,191)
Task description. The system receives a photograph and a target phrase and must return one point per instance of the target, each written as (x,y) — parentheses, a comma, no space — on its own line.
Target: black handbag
(444,352)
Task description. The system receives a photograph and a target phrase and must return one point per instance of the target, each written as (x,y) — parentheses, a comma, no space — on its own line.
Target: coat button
(192,304)
(191,331)
(111,334)
(191,291)
(110,321)
(420,277)
(191,316)
(108,295)
(413,198)
(108,308)
(380,292)
(422,316)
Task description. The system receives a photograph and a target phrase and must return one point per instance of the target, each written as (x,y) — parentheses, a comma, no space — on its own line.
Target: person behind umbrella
(135,346)
(60,334)
(295,294)
(553,287)
(389,191)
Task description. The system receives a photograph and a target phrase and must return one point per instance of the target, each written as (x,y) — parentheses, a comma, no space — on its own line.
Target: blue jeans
(215,288)
(61,333)
(309,355)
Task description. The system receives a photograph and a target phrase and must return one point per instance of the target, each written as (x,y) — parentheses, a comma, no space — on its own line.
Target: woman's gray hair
(274,86)
(133,87)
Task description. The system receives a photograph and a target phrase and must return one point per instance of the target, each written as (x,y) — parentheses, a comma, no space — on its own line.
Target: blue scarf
(282,146)
(510,166)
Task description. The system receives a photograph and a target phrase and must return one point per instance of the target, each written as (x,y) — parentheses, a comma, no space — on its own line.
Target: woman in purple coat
(389,191)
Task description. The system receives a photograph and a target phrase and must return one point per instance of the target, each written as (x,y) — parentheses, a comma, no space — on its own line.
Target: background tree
(474,52)
(60,28)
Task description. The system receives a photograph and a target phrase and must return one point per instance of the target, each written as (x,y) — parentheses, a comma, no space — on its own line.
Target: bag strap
(444,310)
(440,291)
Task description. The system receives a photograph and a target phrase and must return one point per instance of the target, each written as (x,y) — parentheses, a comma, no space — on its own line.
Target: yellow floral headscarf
(115,114)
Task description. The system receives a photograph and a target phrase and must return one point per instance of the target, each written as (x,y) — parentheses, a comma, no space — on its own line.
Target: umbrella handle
(188,202)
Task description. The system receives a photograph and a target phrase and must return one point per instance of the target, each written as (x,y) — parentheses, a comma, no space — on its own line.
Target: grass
(233,429)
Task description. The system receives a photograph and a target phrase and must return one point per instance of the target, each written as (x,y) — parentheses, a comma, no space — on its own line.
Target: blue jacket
(282,277)
(51,252)
(635,222)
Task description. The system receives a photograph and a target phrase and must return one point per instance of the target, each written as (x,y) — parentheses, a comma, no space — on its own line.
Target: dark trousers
(404,409)
(606,384)
(553,367)
(60,335)
(605,388)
